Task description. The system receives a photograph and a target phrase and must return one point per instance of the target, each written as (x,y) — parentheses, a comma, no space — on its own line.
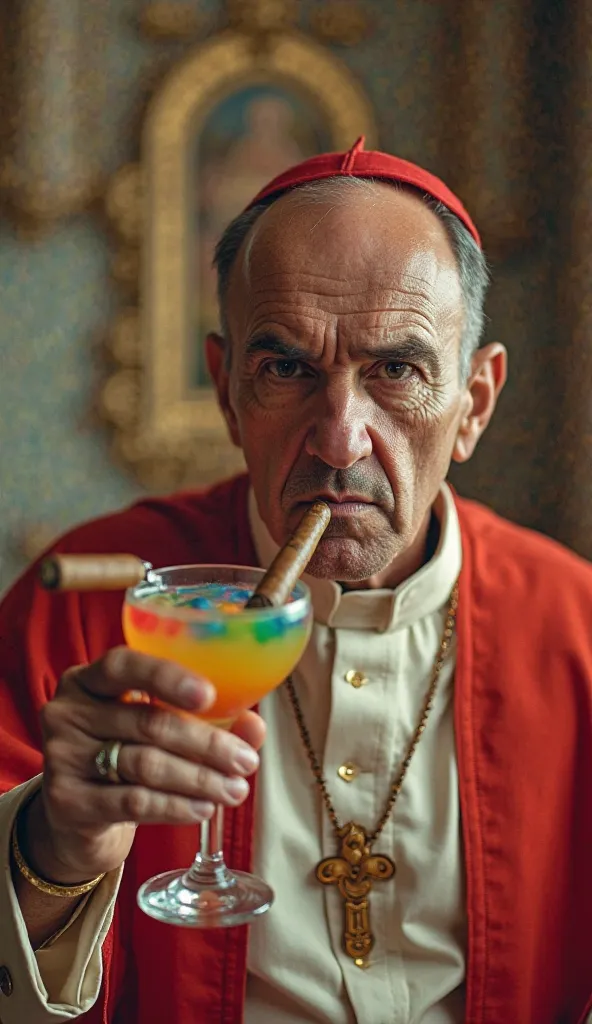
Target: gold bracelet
(50,888)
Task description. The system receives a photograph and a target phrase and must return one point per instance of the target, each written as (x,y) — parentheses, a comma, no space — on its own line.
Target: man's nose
(338,434)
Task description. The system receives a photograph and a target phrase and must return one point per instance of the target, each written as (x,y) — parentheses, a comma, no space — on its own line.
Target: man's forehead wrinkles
(309,281)
(261,311)
(260,318)
(351,293)
(305,305)
(370,323)
(385,297)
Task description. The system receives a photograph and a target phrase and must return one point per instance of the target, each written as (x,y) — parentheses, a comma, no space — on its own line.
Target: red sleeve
(40,636)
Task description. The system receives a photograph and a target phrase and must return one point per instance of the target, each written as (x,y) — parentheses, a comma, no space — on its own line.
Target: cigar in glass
(291,560)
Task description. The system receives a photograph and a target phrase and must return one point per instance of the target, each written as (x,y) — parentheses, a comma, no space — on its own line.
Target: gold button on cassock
(348,771)
(355,678)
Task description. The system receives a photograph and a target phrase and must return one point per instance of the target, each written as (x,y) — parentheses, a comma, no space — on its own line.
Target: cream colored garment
(63,981)
(298,973)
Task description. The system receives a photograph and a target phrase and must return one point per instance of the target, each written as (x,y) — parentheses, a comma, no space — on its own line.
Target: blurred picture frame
(227,119)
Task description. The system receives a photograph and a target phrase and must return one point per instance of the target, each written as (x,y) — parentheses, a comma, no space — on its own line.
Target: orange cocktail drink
(204,626)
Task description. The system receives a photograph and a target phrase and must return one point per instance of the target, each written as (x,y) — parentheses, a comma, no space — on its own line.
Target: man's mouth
(342,504)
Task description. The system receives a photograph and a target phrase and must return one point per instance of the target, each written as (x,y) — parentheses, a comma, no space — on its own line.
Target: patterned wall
(56,295)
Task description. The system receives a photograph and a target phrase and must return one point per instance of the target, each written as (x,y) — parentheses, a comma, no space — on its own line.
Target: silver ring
(107,760)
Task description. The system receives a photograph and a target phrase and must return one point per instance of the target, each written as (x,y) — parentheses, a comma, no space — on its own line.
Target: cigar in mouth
(291,560)
(93,572)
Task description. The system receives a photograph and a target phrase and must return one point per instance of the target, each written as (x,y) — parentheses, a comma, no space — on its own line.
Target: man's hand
(174,768)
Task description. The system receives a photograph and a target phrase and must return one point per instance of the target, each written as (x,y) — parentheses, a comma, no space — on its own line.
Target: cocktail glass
(194,615)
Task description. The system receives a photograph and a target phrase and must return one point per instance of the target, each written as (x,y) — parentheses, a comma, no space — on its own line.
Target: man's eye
(285,368)
(397,371)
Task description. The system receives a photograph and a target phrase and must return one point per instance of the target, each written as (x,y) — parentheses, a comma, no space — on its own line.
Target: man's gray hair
(471,263)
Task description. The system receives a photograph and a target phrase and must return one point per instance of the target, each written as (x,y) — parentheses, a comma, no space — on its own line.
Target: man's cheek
(408,458)
(263,451)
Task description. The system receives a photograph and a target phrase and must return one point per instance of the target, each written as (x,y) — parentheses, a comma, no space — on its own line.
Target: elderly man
(349,368)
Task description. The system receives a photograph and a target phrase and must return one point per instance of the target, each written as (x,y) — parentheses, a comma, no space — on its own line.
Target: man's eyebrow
(269,342)
(408,350)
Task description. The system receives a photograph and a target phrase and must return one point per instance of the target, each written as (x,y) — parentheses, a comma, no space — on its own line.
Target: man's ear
(488,376)
(217,360)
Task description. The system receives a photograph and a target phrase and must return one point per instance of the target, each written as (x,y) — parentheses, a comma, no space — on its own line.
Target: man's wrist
(37,846)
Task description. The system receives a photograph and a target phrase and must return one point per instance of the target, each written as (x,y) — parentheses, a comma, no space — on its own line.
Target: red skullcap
(361,163)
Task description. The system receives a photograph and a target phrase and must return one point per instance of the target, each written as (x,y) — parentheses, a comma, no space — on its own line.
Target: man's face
(345,324)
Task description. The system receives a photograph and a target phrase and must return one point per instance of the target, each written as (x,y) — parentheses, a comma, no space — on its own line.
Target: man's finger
(251,728)
(103,804)
(122,669)
(149,725)
(157,770)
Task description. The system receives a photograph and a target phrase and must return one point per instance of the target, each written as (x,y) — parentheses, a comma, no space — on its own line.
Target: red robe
(523,723)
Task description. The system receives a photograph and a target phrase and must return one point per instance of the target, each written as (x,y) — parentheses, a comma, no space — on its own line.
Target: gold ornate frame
(169,436)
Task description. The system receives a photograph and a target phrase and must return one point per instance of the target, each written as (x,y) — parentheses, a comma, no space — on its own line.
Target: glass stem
(212,837)
(208,868)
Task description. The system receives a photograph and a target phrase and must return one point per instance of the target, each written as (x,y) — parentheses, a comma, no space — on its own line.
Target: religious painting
(232,115)
(247,139)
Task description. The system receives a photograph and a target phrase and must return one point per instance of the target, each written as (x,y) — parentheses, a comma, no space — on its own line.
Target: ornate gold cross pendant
(354,870)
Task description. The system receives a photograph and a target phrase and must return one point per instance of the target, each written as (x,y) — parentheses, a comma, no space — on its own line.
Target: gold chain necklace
(356,867)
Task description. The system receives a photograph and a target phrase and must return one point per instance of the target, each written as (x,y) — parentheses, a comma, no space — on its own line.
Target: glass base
(228,898)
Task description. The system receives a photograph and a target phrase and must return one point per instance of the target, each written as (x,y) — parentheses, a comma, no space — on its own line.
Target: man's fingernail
(237,789)
(196,693)
(246,759)
(202,809)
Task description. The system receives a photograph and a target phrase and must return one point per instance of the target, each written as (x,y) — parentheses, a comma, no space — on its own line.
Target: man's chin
(349,560)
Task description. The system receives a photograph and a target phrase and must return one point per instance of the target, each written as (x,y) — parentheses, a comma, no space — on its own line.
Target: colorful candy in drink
(206,628)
